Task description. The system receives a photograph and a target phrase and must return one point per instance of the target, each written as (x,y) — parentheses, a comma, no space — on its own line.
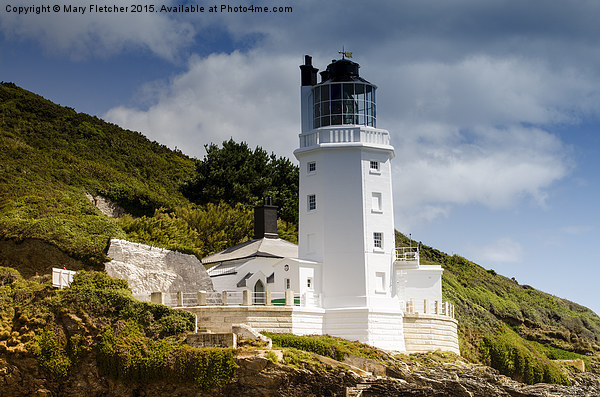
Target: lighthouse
(346,204)
(345,277)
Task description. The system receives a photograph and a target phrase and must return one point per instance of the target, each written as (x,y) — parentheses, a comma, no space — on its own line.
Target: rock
(149,269)
(256,375)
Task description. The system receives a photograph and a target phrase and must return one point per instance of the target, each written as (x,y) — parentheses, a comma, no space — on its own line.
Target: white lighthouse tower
(346,205)
(345,278)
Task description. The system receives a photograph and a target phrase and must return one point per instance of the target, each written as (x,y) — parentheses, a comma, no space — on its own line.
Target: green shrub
(126,353)
(207,367)
(513,356)
(311,344)
(85,280)
(50,351)
(8,275)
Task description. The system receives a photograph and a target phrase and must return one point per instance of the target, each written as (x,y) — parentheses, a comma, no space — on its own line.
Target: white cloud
(248,97)
(577,230)
(81,36)
(490,167)
(476,132)
(503,250)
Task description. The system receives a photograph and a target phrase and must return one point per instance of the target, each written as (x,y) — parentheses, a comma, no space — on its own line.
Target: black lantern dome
(343,97)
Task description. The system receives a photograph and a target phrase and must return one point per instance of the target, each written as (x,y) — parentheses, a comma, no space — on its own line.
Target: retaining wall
(261,318)
(430,332)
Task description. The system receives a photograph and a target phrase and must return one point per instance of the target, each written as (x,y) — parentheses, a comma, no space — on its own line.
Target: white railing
(170,299)
(259,298)
(278,298)
(310,299)
(62,277)
(214,299)
(427,306)
(345,135)
(235,298)
(189,299)
(142,297)
(407,254)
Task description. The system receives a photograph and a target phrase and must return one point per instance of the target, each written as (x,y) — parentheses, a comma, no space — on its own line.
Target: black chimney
(265,220)
(308,72)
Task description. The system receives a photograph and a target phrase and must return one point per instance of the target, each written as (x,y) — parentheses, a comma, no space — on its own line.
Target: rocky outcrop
(257,375)
(149,269)
(107,207)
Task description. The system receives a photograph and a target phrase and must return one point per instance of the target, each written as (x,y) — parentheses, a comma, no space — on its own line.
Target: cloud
(577,230)
(503,250)
(478,131)
(249,97)
(81,36)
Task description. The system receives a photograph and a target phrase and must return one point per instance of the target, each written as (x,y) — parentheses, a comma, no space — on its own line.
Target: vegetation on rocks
(325,345)
(98,319)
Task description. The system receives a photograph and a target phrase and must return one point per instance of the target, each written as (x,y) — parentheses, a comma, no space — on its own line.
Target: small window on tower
(312,202)
(288,284)
(376,202)
(311,167)
(309,283)
(374,167)
(378,240)
(380,282)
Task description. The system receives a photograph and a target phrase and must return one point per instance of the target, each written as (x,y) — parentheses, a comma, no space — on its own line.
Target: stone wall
(261,318)
(149,269)
(430,332)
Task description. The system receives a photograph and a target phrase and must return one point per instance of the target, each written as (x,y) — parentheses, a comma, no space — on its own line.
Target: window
(309,283)
(344,103)
(288,284)
(312,202)
(311,167)
(378,240)
(374,165)
(376,202)
(380,282)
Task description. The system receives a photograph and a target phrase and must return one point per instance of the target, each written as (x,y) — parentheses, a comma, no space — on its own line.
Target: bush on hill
(236,174)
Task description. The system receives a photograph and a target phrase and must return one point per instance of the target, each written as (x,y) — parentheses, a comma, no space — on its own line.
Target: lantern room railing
(345,135)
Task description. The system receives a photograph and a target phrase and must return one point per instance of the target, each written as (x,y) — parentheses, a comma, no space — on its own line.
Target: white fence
(61,277)
(426,306)
(234,298)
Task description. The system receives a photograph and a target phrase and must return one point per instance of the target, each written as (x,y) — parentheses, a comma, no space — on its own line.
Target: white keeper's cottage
(346,274)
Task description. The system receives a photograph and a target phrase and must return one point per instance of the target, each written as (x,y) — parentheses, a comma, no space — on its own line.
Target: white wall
(339,233)
(422,283)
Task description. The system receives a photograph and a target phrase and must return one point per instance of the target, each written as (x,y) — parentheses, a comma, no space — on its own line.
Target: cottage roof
(264,247)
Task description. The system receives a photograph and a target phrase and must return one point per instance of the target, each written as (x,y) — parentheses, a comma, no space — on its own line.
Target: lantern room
(342,97)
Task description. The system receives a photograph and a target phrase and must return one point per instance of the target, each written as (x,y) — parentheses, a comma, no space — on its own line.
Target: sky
(492,106)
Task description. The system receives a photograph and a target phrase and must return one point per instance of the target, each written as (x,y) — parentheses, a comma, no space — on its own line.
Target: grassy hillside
(51,156)
(501,321)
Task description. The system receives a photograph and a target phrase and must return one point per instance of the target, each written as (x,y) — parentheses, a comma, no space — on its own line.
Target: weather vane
(345,54)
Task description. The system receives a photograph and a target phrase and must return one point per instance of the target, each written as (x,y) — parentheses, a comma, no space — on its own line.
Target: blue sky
(493,106)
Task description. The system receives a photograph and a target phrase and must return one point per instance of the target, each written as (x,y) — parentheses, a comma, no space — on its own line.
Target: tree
(236,174)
